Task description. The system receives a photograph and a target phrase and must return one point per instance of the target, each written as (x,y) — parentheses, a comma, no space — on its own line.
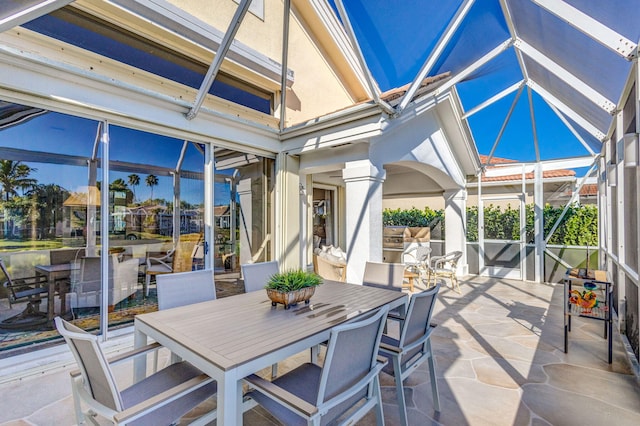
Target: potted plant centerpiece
(291,287)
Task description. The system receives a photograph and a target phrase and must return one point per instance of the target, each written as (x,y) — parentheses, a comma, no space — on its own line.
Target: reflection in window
(51,194)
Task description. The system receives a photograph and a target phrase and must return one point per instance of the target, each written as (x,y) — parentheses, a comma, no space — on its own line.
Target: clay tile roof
(548,174)
(589,189)
(394,96)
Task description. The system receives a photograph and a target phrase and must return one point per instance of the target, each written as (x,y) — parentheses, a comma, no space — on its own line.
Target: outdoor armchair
(445,266)
(179,259)
(30,290)
(412,347)
(329,269)
(162,398)
(311,394)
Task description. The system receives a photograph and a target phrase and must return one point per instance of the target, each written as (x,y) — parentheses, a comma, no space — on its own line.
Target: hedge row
(579,225)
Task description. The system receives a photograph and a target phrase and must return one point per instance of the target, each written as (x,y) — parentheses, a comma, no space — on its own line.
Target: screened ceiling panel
(489,80)
(569,96)
(587,137)
(482,30)
(572,50)
(393,58)
(620,15)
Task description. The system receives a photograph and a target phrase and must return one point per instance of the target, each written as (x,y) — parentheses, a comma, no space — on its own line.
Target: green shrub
(579,225)
(293,279)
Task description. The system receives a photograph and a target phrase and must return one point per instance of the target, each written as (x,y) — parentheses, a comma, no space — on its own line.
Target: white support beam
(31,13)
(622,228)
(504,124)
(538,224)
(495,98)
(373,87)
(512,31)
(573,198)
(534,130)
(285,58)
(571,128)
(591,27)
(583,88)
(446,36)
(582,122)
(225,44)
(514,168)
(473,67)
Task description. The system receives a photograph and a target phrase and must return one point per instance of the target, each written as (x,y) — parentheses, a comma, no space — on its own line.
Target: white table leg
(140,362)
(230,407)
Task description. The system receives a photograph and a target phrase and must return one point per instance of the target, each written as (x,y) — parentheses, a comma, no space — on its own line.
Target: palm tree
(134,180)
(118,185)
(151,181)
(13,175)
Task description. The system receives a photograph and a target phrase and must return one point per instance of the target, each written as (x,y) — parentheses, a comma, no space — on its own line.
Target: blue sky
(396,38)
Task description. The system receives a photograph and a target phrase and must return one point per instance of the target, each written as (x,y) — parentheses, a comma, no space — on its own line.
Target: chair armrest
(162,399)
(117,359)
(420,341)
(353,389)
(160,261)
(281,395)
(395,317)
(391,350)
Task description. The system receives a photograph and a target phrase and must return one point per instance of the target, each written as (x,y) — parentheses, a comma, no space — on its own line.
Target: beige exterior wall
(321,85)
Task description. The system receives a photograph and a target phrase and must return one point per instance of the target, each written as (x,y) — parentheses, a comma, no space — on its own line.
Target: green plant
(293,279)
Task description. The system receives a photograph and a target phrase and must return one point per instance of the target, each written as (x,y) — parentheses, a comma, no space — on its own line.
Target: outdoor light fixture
(631,150)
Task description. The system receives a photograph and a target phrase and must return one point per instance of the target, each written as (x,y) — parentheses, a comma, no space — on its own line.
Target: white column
(455,222)
(246,220)
(363,185)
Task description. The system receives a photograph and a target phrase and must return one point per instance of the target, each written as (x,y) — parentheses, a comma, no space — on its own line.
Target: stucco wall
(317,89)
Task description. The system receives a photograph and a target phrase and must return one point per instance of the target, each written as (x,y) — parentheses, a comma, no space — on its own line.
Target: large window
(56,208)
(86,31)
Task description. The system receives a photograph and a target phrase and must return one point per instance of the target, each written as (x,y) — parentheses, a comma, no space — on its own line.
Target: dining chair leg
(378,396)
(76,401)
(434,379)
(454,283)
(402,404)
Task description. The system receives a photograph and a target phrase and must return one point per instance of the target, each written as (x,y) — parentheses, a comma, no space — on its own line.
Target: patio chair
(388,276)
(445,266)
(162,398)
(347,385)
(417,257)
(179,259)
(185,288)
(256,275)
(181,289)
(413,347)
(30,290)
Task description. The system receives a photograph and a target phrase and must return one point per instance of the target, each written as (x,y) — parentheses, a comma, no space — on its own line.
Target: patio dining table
(232,337)
(55,275)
